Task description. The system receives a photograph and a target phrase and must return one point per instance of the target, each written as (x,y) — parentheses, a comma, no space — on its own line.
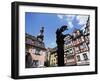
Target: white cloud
(60,16)
(70,24)
(69,19)
(82,19)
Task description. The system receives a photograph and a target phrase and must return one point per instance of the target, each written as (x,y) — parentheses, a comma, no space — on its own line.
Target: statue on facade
(60,44)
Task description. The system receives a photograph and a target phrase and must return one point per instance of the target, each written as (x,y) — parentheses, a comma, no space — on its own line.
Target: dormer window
(78,33)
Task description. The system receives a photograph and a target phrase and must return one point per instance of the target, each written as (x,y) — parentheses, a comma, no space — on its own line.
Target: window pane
(78,58)
(85,56)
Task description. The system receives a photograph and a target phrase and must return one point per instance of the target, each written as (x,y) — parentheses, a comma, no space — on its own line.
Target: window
(35,63)
(74,35)
(85,56)
(77,41)
(69,51)
(74,42)
(82,39)
(83,47)
(78,32)
(77,50)
(78,58)
(37,51)
(70,57)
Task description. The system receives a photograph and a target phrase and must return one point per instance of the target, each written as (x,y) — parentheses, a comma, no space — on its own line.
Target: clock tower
(40,37)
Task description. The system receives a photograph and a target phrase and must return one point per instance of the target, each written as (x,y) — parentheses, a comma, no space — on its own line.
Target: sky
(50,22)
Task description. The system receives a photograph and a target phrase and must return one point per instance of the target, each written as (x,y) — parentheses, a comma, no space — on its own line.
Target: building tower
(40,37)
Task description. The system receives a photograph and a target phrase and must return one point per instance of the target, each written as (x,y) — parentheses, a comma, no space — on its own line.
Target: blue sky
(50,22)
